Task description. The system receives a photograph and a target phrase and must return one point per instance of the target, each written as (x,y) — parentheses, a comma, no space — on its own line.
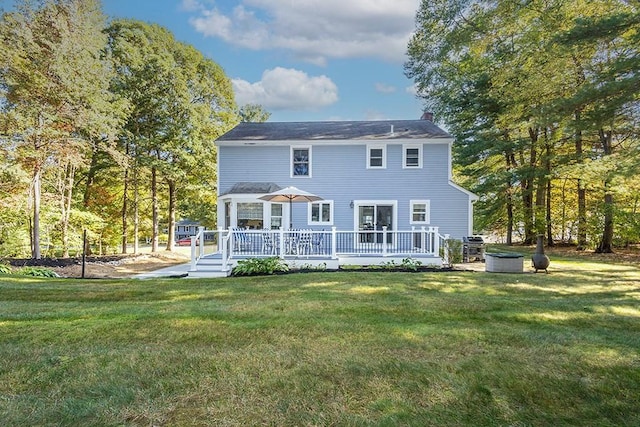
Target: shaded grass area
(354,349)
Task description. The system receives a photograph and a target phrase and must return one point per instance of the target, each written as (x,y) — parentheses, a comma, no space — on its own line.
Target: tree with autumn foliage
(56,98)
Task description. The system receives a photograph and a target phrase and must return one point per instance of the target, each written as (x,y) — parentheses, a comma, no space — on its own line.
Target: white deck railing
(317,244)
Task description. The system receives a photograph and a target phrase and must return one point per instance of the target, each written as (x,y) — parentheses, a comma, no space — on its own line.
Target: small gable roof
(344,130)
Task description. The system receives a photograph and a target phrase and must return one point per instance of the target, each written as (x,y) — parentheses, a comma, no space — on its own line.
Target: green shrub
(411,264)
(37,272)
(389,265)
(5,269)
(311,267)
(408,264)
(452,251)
(254,266)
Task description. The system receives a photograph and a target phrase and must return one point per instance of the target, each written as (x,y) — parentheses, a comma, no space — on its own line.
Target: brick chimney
(427,115)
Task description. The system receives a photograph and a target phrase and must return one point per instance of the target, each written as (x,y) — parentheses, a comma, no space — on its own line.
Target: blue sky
(301,59)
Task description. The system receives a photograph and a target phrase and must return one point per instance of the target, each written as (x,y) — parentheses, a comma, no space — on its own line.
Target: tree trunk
(580,78)
(539,179)
(67,193)
(582,195)
(606,242)
(550,241)
(526,184)
(154,210)
(582,217)
(509,197)
(136,220)
(172,214)
(125,207)
(91,176)
(547,165)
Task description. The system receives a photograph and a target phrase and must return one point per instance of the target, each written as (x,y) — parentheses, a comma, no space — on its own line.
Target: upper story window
(411,156)
(321,213)
(376,156)
(420,212)
(301,161)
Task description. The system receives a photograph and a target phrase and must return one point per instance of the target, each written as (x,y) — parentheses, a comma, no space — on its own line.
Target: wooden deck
(312,248)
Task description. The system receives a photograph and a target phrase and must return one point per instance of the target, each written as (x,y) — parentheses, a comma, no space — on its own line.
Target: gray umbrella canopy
(291,195)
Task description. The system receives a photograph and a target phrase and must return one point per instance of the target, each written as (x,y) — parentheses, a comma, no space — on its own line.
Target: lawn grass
(348,349)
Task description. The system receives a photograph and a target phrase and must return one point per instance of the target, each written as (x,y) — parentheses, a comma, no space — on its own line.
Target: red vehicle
(186,241)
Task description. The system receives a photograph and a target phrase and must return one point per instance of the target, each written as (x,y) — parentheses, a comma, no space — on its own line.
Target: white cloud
(287,89)
(412,90)
(313,30)
(191,5)
(384,88)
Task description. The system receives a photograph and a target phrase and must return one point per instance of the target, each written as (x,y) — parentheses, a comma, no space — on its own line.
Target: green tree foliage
(253,113)
(545,118)
(56,97)
(91,117)
(180,100)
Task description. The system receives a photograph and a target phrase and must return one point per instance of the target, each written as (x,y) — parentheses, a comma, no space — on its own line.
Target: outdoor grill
(473,247)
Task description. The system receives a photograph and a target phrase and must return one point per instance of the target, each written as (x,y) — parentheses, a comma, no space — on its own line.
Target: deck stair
(210,266)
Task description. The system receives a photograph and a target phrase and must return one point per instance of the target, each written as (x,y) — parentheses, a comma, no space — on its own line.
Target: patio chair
(303,245)
(291,242)
(317,243)
(241,240)
(269,242)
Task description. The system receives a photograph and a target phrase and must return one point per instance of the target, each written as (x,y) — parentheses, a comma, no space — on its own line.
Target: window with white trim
(321,213)
(376,157)
(250,215)
(412,156)
(300,162)
(420,212)
(276,216)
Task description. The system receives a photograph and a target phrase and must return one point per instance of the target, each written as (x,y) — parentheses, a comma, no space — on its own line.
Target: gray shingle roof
(252,188)
(306,131)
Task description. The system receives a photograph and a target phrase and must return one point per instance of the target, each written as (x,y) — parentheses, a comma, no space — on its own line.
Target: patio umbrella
(291,195)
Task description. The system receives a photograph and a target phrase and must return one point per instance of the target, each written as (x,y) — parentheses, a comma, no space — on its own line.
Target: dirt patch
(103,267)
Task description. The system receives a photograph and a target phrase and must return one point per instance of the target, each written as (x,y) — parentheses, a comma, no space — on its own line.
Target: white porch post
(384,240)
(436,241)
(201,236)
(412,237)
(222,238)
(334,243)
(194,258)
(282,243)
(219,239)
(423,239)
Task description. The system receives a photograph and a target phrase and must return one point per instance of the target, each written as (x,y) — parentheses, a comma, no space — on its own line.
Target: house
(385,189)
(185,228)
(370,174)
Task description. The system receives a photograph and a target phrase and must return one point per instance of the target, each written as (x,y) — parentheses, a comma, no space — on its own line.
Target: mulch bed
(63,262)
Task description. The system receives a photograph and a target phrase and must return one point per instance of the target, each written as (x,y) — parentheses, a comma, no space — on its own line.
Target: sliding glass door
(372,217)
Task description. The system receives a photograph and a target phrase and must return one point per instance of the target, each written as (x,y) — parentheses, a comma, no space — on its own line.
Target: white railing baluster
(334,243)
(281,242)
